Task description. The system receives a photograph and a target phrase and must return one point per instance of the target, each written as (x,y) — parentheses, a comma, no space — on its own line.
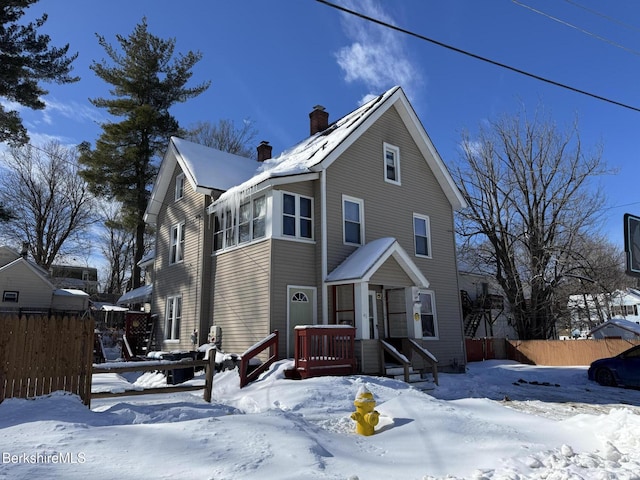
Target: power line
(582,30)
(602,15)
(478,57)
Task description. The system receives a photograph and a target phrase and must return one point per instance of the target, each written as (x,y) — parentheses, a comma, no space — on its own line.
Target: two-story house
(354,225)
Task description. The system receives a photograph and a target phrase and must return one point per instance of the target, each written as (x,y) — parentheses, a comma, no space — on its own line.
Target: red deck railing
(270,342)
(325,350)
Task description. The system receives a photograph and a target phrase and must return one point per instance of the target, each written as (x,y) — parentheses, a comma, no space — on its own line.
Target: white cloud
(377,55)
(72,110)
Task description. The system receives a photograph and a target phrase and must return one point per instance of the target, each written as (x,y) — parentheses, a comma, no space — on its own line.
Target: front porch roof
(364,262)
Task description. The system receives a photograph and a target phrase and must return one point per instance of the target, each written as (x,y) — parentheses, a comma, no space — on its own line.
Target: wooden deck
(323,350)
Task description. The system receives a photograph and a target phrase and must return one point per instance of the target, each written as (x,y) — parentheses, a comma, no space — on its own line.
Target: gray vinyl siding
(184,278)
(390,274)
(241,295)
(33,290)
(388,212)
(293,263)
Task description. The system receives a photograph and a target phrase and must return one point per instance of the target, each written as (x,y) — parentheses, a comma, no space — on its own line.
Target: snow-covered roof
(621,323)
(137,295)
(319,150)
(206,169)
(366,260)
(70,292)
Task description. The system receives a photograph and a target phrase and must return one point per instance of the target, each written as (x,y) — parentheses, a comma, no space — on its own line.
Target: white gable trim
(419,135)
(365,261)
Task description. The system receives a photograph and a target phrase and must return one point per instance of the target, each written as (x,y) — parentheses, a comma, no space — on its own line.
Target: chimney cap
(319,107)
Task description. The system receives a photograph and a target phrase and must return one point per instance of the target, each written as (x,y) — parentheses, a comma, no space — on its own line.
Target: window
(173,316)
(297,216)
(10,296)
(177,243)
(427,314)
(422,235)
(344,296)
(391,164)
(179,193)
(234,227)
(352,215)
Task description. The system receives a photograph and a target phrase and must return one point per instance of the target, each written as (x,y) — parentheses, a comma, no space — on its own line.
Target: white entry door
(301,311)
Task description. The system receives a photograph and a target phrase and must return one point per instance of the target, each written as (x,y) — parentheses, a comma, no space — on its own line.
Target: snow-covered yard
(500,420)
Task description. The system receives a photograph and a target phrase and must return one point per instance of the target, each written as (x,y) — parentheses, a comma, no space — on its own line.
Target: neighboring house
(354,225)
(617,328)
(26,287)
(588,310)
(74,277)
(485,310)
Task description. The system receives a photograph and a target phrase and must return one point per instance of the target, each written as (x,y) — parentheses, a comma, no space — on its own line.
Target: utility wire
(582,30)
(478,57)
(602,15)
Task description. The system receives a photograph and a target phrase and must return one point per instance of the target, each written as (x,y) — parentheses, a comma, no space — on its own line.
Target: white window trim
(360,202)
(281,214)
(428,227)
(396,152)
(179,243)
(178,193)
(173,336)
(10,296)
(436,334)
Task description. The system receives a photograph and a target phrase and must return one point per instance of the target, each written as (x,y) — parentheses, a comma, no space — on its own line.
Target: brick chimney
(264,151)
(319,119)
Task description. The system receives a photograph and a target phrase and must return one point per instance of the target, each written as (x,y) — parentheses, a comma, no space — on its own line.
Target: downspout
(323,245)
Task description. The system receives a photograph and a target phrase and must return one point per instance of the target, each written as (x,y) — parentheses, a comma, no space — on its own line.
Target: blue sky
(272,60)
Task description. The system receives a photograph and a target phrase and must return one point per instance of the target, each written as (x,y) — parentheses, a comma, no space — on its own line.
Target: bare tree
(116,245)
(51,204)
(226,136)
(531,200)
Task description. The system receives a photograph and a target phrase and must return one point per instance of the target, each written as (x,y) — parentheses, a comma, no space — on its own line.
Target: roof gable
(205,169)
(365,261)
(320,150)
(620,323)
(22,265)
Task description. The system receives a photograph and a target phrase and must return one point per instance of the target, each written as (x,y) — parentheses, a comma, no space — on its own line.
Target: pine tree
(147,80)
(26,60)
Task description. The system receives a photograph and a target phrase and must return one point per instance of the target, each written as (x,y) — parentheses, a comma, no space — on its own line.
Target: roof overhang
(364,262)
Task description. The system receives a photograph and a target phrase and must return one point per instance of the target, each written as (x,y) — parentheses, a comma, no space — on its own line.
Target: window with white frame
(353,220)
(177,243)
(173,315)
(391,164)
(428,314)
(10,296)
(297,216)
(234,227)
(179,192)
(422,235)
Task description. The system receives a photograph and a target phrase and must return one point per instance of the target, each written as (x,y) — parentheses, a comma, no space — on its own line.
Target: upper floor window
(422,235)
(353,220)
(179,193)
(177,243)
(391,164)
(233,227)
(297,216)
(428,314)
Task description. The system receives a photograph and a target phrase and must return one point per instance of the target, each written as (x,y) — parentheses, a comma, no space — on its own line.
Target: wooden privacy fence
(40,354)
(546,352)
(566,352)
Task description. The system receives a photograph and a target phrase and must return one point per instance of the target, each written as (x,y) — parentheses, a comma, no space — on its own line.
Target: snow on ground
(500,420)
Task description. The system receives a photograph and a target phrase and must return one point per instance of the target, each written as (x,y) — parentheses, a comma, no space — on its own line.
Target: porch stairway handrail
(270,342)
(427,356)
(397,356)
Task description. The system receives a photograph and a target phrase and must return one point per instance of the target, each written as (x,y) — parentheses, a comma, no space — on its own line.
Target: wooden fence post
(208,383)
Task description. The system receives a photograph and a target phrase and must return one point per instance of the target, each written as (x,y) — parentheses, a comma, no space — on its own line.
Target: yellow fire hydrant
(365,416)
